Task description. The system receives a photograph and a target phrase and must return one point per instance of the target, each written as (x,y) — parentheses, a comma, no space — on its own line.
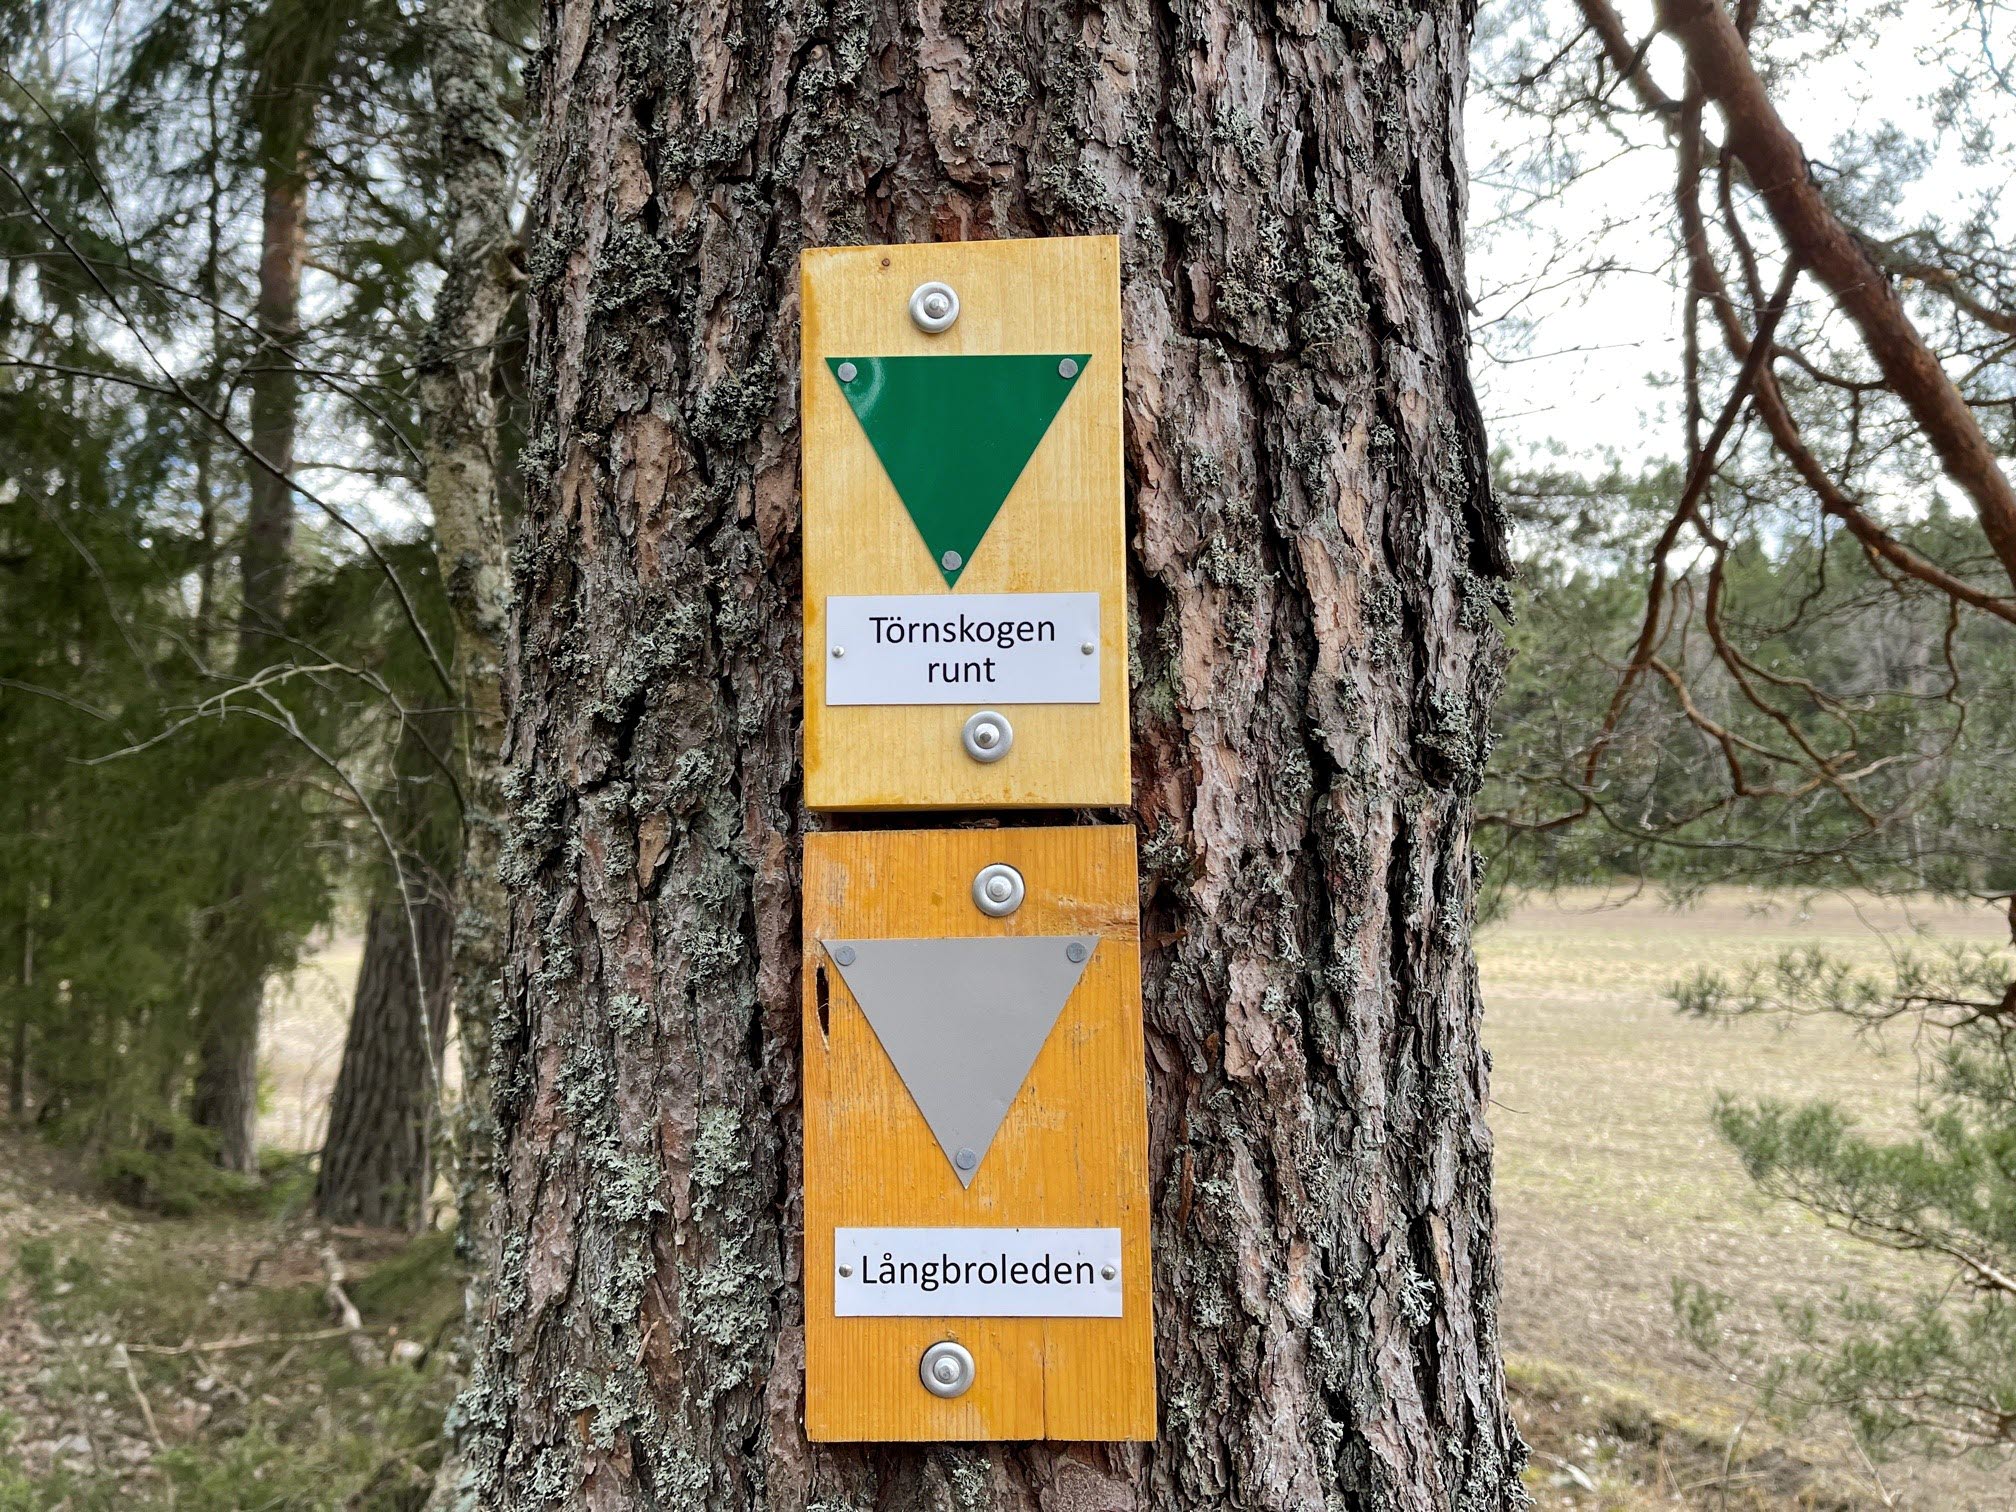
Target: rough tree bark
(377,1160)
(377,1163)
(227,1076)
(1316,564)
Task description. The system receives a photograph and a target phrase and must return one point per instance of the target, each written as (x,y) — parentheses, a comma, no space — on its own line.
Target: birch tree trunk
(459,416)
(1317,561)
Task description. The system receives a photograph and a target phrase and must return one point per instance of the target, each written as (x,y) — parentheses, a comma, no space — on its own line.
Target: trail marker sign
(963,525)
(976,1202)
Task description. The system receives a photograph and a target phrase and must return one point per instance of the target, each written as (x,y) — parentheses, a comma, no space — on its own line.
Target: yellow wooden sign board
(958,1205)
(910,558)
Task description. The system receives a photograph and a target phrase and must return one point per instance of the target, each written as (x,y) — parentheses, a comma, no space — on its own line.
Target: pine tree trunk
(227,1076)
(1316,564)
(269,517)
(378,1152)
(226,1099)
(377,1158)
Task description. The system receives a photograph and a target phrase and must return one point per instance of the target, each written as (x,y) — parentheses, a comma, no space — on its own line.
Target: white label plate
(962,648)
(976,1272)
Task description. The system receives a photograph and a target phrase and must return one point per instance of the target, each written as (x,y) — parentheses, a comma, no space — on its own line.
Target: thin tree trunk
(226,1096)
(460,434)
(459,420)
(226,1099)
(1317,561)
(275,389)
(377,1158)
(17,1061)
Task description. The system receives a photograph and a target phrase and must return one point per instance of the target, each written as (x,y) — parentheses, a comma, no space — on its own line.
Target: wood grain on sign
(1072,1152)
(1060,530)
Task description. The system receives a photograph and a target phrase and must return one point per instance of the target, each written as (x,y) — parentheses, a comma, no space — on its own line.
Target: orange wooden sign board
(935,1218)
(963,525)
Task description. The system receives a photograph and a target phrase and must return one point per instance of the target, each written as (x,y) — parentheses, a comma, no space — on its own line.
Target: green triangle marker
(954,433)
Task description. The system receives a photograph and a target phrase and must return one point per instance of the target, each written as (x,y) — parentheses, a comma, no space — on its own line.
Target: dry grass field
(1611,1184)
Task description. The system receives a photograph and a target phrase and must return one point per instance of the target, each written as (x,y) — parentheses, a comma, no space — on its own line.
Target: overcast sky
(1588,363)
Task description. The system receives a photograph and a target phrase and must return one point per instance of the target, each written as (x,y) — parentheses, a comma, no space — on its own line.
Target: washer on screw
(987,735)
(946,1369)
(934,306)
(998,890)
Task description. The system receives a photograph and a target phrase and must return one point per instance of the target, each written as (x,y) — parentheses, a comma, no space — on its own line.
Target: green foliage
(1936,1371)
(176,822)
(176,1174)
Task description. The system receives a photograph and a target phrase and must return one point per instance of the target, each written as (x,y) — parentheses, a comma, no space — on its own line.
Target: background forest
(1749,824)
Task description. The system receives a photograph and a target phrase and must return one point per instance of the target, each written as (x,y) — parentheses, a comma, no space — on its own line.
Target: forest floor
(150,1362)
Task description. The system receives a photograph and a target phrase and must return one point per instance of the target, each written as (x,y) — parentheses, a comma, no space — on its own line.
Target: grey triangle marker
(962,1021)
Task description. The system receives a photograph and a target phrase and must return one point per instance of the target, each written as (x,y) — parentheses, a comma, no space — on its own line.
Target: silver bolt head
(947,1371)
(999,889)
(951,559)
(846,1270)
(1110,1272)
(1085,650)
(838,652)
(966,1159)
(844,955)
(847,372)
(1074,952)
(933,307)
(1068,368)
(987,735)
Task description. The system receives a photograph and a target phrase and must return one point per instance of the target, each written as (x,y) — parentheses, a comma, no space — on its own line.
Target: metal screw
(848,1270)
(933,306)
(844,955)
(846,372)
(1086,650)
(946,1370)
(1109,1272)
(951,559)
(987,735)
(1068,368)
(998,890)
(1074,952)
(838,652)
(966,1159)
